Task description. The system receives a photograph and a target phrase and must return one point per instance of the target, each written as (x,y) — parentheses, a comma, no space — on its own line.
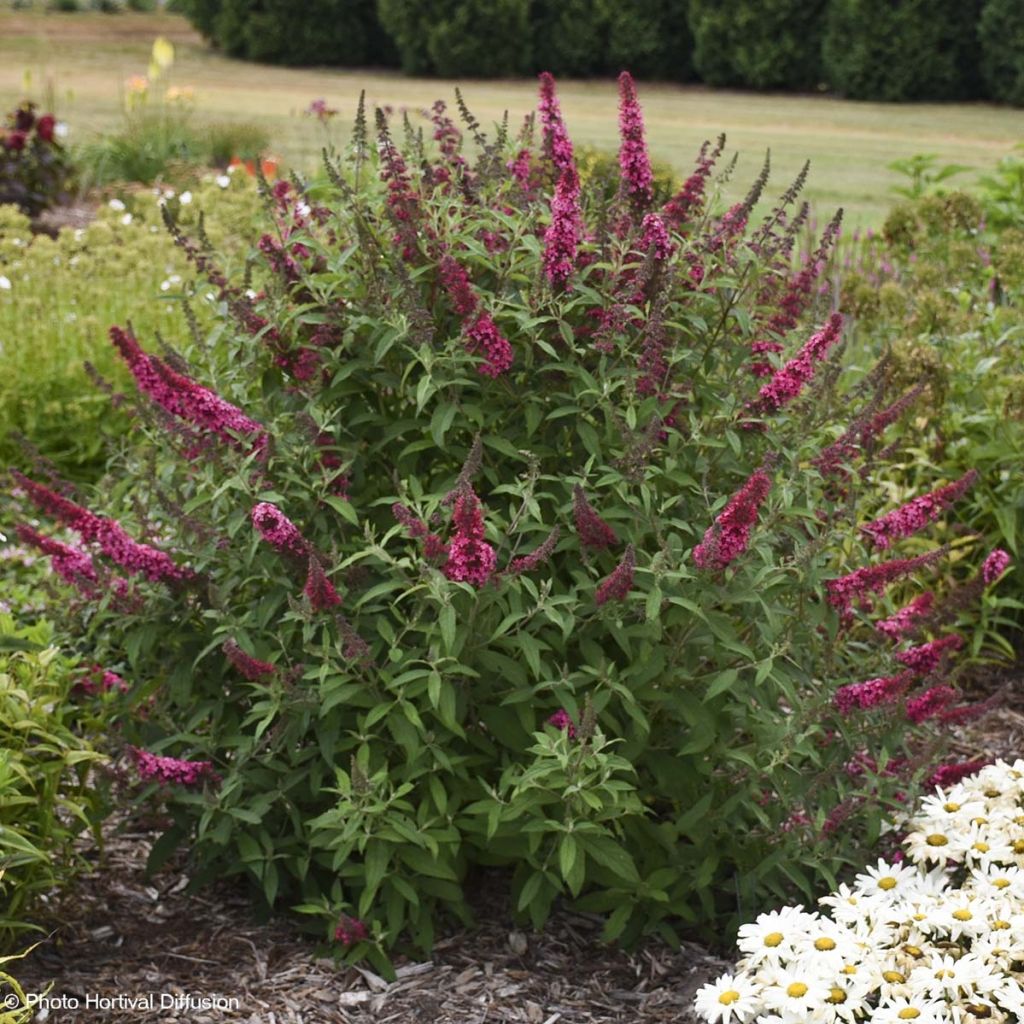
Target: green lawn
(85,58)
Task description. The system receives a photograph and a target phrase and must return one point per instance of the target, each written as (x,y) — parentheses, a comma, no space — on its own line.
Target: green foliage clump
(768,45)
(337,32)
(47,795)
(904,50)
(64,291)
(1001,31)
(489,550)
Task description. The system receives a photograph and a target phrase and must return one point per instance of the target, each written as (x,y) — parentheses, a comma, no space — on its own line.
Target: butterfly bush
(467,537)
(935,934)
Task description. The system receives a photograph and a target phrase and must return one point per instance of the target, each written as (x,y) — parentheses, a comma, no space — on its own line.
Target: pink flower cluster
(251,668)
(787,383)
(101,680)
(520,169)
(479,328)
(592,530)
(561,720)
(634,162)
(873,579)
(171,770)
(727,538)
(350,930)
(654,238)
(917,514)
(995,565)
(930,703)
(687,202)
(556,142)
(278,530)
(871,693)
(562,237)
(110,536)
(902,621)
(927,657)
(955,771)
(617,585)
(433,547)
(319,590)
(470,558)
(538,556)
(184,398)
(71,564)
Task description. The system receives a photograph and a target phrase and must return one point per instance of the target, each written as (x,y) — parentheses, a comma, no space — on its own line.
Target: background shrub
(344,32)
(905,50)
(1001,31)
(769,45)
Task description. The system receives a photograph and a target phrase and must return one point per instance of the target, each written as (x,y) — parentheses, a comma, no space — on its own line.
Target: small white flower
(116,204)
(223,180)
(302,209)
(916,1009)
(185,198)
(5,283)
(727,997)
(61,130)
(250,293)
(165,286)
(126,219)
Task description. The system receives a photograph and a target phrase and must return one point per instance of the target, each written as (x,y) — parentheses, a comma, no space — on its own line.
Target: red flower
(15,141)
(45,126)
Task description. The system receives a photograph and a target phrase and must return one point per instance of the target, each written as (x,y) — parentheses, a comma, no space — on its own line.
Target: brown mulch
(125,937)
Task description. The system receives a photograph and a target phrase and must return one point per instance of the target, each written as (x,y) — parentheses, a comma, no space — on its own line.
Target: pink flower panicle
(926,657)
(592,530)
(555,139)
(968,712)
(727,538)
(873,579)
(184,398)
(521,169)
(319,590)
(686,204)
(917,514)
(561,240)
(538,556)
(251,668)
(634,163)
(483,334)
(995,565)
(872,693)
(71,564)
(110,536)
(654,238)
(953,772)
(787,383)
(100,680)
(350,930)
(930,703)
(171,770)
(900,623)
(456,283)
(617,585)
(434,548)
(277,529)
(561,720)
(470,558)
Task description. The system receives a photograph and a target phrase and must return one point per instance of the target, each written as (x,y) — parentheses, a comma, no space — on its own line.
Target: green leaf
(568,851)
(446,620)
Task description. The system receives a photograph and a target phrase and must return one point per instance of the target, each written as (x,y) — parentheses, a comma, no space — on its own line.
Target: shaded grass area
(85,58)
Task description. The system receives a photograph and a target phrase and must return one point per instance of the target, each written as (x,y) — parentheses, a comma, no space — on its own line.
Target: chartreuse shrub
(58,295)
(47,791)
(944,297)
(513,526)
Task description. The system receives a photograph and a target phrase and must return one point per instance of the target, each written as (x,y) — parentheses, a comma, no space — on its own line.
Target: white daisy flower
(886,881)
(126,219)
(916,1009)
(732,996)
(5,283)
(223,180)
(772,936)
(949,978)
(185,198)
(116,204)
(795,991)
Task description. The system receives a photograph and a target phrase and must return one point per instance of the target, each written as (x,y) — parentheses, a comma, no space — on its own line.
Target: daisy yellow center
(992,793)
(951,807)
(893,977)
(914,951)
(979,1010)
(936,839)
(1000,925)
(962,915)
(1018,846)
(1000,883)
(1019,820)
(824,943)
(837,995)
(945,973)
(887,883)
(919,917)
(850,969)
(909,1013)
(773,939)
(980,847)
(797,989)
(979,821)
(728,997)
